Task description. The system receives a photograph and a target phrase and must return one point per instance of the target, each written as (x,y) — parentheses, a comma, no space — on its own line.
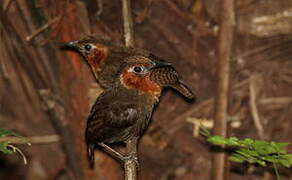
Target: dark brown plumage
(105,58)
(123,112)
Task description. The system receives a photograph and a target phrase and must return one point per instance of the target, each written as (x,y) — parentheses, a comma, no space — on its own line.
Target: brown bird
(105,58)
(123,112)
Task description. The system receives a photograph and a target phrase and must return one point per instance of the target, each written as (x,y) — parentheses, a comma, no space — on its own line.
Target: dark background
(45,91)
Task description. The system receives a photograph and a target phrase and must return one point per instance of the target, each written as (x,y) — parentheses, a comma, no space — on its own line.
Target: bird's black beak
(73,45)
(158,64)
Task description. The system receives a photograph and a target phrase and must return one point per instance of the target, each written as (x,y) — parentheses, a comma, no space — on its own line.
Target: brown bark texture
(45,91)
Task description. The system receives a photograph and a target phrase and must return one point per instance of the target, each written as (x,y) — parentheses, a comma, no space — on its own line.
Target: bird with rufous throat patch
(123,112)
(105,59)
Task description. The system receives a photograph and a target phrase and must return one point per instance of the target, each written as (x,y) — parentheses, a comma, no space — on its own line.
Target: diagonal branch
(41,29)
(253,107)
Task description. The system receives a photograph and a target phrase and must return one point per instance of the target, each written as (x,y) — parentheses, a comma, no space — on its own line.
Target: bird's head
(135,74)
(93,49)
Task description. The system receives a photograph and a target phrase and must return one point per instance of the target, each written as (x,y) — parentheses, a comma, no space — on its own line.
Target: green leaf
(253,151)
(286,156)
(281,144)
(270,158)
(280,147)
(237,158)
(4,148)
(264,149)
(247,142)
(217,140)
(260,162)
(283,162)
(233,141)
(4,133)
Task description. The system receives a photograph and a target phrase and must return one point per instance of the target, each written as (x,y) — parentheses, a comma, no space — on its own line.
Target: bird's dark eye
(87,47)
(138,69)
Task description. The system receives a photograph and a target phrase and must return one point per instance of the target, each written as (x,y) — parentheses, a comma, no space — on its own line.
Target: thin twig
(276,171)
(221,102)
(6,4)
(41,29)
(254,109)
(3,70)
(33,140)
(16,149)
(128,23)
(276,100)
(130,164)
(99,7)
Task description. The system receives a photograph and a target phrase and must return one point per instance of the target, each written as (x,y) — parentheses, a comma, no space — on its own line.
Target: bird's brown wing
(106,123)
(117,114)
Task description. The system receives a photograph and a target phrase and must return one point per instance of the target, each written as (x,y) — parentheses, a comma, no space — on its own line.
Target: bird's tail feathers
(90,155)
(184,90)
